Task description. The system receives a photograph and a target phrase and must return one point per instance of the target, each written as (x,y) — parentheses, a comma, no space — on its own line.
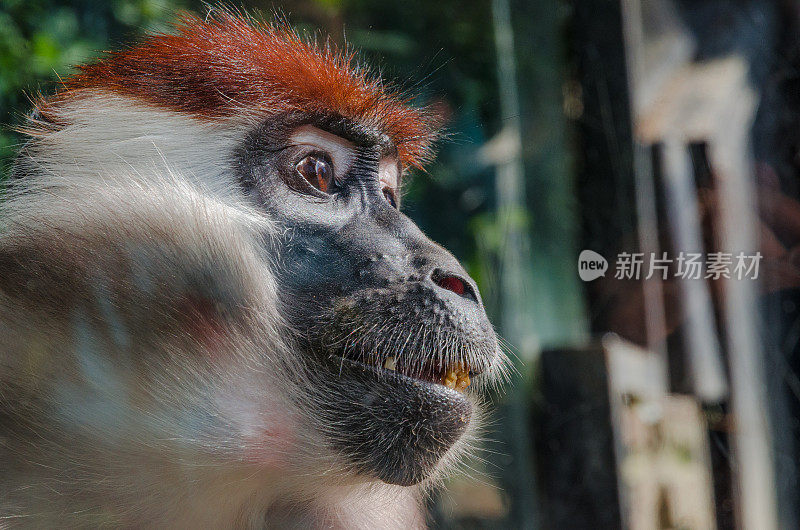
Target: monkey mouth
(455,376)
(398,412)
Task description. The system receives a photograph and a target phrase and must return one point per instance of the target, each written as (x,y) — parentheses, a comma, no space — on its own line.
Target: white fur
(107,137)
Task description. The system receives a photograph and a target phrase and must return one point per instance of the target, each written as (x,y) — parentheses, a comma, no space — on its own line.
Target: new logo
(591,265)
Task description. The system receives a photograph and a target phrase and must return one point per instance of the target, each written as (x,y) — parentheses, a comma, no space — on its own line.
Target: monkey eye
(317,170)
(390,196)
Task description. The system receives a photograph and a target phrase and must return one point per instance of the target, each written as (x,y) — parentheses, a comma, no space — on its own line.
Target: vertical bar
(577,457)
(645,191)
(755,471)
(510,192)
(702,346)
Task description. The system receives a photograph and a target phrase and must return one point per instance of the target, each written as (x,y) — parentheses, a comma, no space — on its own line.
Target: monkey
(213,313)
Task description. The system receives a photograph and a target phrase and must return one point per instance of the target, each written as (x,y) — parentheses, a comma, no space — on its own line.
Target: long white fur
(108,137)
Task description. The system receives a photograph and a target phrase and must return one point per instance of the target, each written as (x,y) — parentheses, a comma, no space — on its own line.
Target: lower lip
(419,419)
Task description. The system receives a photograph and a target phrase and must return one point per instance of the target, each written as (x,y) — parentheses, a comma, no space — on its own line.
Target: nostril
(453,283)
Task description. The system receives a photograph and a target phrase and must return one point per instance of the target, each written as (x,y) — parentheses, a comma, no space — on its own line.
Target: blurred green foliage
(41,40)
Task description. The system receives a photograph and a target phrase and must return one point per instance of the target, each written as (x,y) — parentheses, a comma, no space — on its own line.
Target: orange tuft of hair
(227,64)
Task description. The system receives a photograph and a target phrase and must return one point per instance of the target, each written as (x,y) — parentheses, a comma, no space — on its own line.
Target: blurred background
(618,126)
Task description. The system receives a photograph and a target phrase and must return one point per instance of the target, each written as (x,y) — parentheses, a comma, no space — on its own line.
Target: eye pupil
(317,171)
(324,172)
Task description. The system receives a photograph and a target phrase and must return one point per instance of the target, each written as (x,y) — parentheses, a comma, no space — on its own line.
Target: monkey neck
(176,498)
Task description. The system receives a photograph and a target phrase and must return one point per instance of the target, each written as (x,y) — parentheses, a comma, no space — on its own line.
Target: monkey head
(391,324)
(285,163)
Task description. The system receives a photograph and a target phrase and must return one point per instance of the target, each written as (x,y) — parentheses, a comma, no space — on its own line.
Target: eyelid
(389,172)
(340,151)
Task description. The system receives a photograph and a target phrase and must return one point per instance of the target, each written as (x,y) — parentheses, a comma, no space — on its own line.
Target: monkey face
(391,328)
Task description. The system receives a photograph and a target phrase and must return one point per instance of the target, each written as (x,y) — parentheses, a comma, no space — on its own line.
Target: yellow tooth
(450,379)
(463,381)
(390,363)
(456,378)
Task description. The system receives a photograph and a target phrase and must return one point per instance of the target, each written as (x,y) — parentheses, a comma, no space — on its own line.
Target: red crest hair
(226,64)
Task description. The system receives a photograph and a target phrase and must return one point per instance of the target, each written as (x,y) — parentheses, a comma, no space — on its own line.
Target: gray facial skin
(361,283)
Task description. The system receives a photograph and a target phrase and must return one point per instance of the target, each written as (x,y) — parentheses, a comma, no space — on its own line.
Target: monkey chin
(391,426)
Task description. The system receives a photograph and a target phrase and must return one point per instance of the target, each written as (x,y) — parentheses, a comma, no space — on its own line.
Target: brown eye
(389,195)
(317,170)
